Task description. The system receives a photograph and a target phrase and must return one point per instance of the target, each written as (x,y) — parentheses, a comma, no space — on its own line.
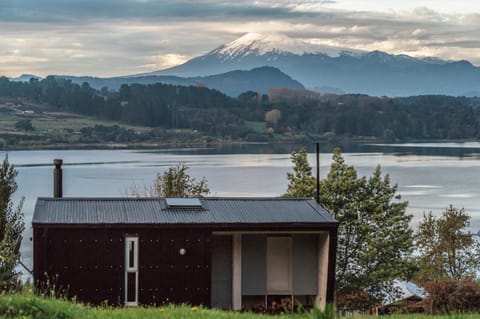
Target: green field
(258,127)
(28,305)
(45,120)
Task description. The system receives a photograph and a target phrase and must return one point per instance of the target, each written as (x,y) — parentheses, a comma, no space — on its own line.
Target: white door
(131,271)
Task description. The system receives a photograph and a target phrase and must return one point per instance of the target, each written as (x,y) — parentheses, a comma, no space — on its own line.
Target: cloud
(118,37)
(76,11)
(166,60)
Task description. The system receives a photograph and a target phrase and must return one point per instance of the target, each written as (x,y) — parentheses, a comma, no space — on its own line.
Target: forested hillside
(253,116)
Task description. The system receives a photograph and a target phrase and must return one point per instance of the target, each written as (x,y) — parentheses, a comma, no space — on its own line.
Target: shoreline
(225,144)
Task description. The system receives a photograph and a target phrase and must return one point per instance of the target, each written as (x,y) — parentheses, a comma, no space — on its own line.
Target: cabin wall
(90,264)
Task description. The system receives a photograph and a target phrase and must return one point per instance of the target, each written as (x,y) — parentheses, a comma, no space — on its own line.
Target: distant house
(231,253)
(409,299)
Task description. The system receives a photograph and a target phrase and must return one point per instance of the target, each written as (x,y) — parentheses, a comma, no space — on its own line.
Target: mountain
(351,71)
(231,83)
(259,79)
(25,78)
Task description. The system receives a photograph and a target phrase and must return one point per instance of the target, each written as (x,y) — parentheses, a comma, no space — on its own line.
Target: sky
(121,37)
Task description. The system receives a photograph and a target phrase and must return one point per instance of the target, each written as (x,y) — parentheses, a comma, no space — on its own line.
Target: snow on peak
(261,44)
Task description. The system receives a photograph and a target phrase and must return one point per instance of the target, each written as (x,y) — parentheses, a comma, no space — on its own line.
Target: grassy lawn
(44,120)
(28,305)
(258,127)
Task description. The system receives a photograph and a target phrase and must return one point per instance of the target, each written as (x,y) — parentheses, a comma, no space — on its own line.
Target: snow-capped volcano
(350,71)
(262,44)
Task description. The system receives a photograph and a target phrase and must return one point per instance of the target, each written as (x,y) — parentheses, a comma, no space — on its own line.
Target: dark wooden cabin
(231,253)
(145,251)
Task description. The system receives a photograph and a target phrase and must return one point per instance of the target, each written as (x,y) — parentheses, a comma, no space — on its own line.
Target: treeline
(155,105)
(214,114)
(421,117)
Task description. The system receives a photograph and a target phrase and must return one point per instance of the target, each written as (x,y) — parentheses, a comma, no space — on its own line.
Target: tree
(374,236)
(11,227)
(175,182)
(273,116)
(25,125)
(448,295)
(301,183)
(446,247)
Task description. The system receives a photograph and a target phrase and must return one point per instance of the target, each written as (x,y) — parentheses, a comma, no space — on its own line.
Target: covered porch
(270,270)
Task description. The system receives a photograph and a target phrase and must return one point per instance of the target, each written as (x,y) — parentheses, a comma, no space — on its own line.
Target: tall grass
(28,305)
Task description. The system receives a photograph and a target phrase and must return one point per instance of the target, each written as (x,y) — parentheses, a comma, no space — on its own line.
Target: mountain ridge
(353,71)
(231,83)
(324,68)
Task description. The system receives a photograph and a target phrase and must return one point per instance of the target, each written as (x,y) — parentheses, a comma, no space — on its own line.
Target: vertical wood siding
(89,264)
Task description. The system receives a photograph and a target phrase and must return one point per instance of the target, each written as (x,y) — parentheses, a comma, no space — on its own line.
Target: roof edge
(213,226)
(156,198)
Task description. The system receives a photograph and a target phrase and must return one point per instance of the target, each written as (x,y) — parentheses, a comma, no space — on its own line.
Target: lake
(430,176)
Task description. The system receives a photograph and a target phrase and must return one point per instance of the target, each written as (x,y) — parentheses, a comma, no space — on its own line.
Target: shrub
(450,295)
(25,125)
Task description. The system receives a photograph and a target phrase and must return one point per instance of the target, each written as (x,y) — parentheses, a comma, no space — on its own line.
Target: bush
(25,125)
(450,295)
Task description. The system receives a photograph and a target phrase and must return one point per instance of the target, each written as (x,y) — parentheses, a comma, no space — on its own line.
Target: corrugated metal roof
(155,211)
(405,289)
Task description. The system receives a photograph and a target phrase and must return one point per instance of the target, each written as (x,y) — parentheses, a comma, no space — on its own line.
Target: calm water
(429,176)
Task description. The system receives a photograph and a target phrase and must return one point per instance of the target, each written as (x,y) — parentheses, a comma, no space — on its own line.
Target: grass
(420,316)
(45,120)
(258,127)
(27,305)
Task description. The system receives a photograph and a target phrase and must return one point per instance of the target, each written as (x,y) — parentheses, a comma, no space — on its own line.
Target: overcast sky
(120,37)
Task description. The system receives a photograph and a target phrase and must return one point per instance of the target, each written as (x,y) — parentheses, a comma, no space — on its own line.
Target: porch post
(323,268)
(237,272)
(332,261)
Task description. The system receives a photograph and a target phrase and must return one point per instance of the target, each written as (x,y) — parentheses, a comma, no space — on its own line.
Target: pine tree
(374,236)
(11,228)
(301,183)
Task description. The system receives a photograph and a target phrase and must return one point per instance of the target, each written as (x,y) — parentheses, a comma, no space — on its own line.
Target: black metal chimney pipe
(57,178)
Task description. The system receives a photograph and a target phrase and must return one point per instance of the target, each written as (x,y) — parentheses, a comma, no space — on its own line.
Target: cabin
(228,253)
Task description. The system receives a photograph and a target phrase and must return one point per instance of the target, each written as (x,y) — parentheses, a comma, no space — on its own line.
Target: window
(131,271)
(131,253)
